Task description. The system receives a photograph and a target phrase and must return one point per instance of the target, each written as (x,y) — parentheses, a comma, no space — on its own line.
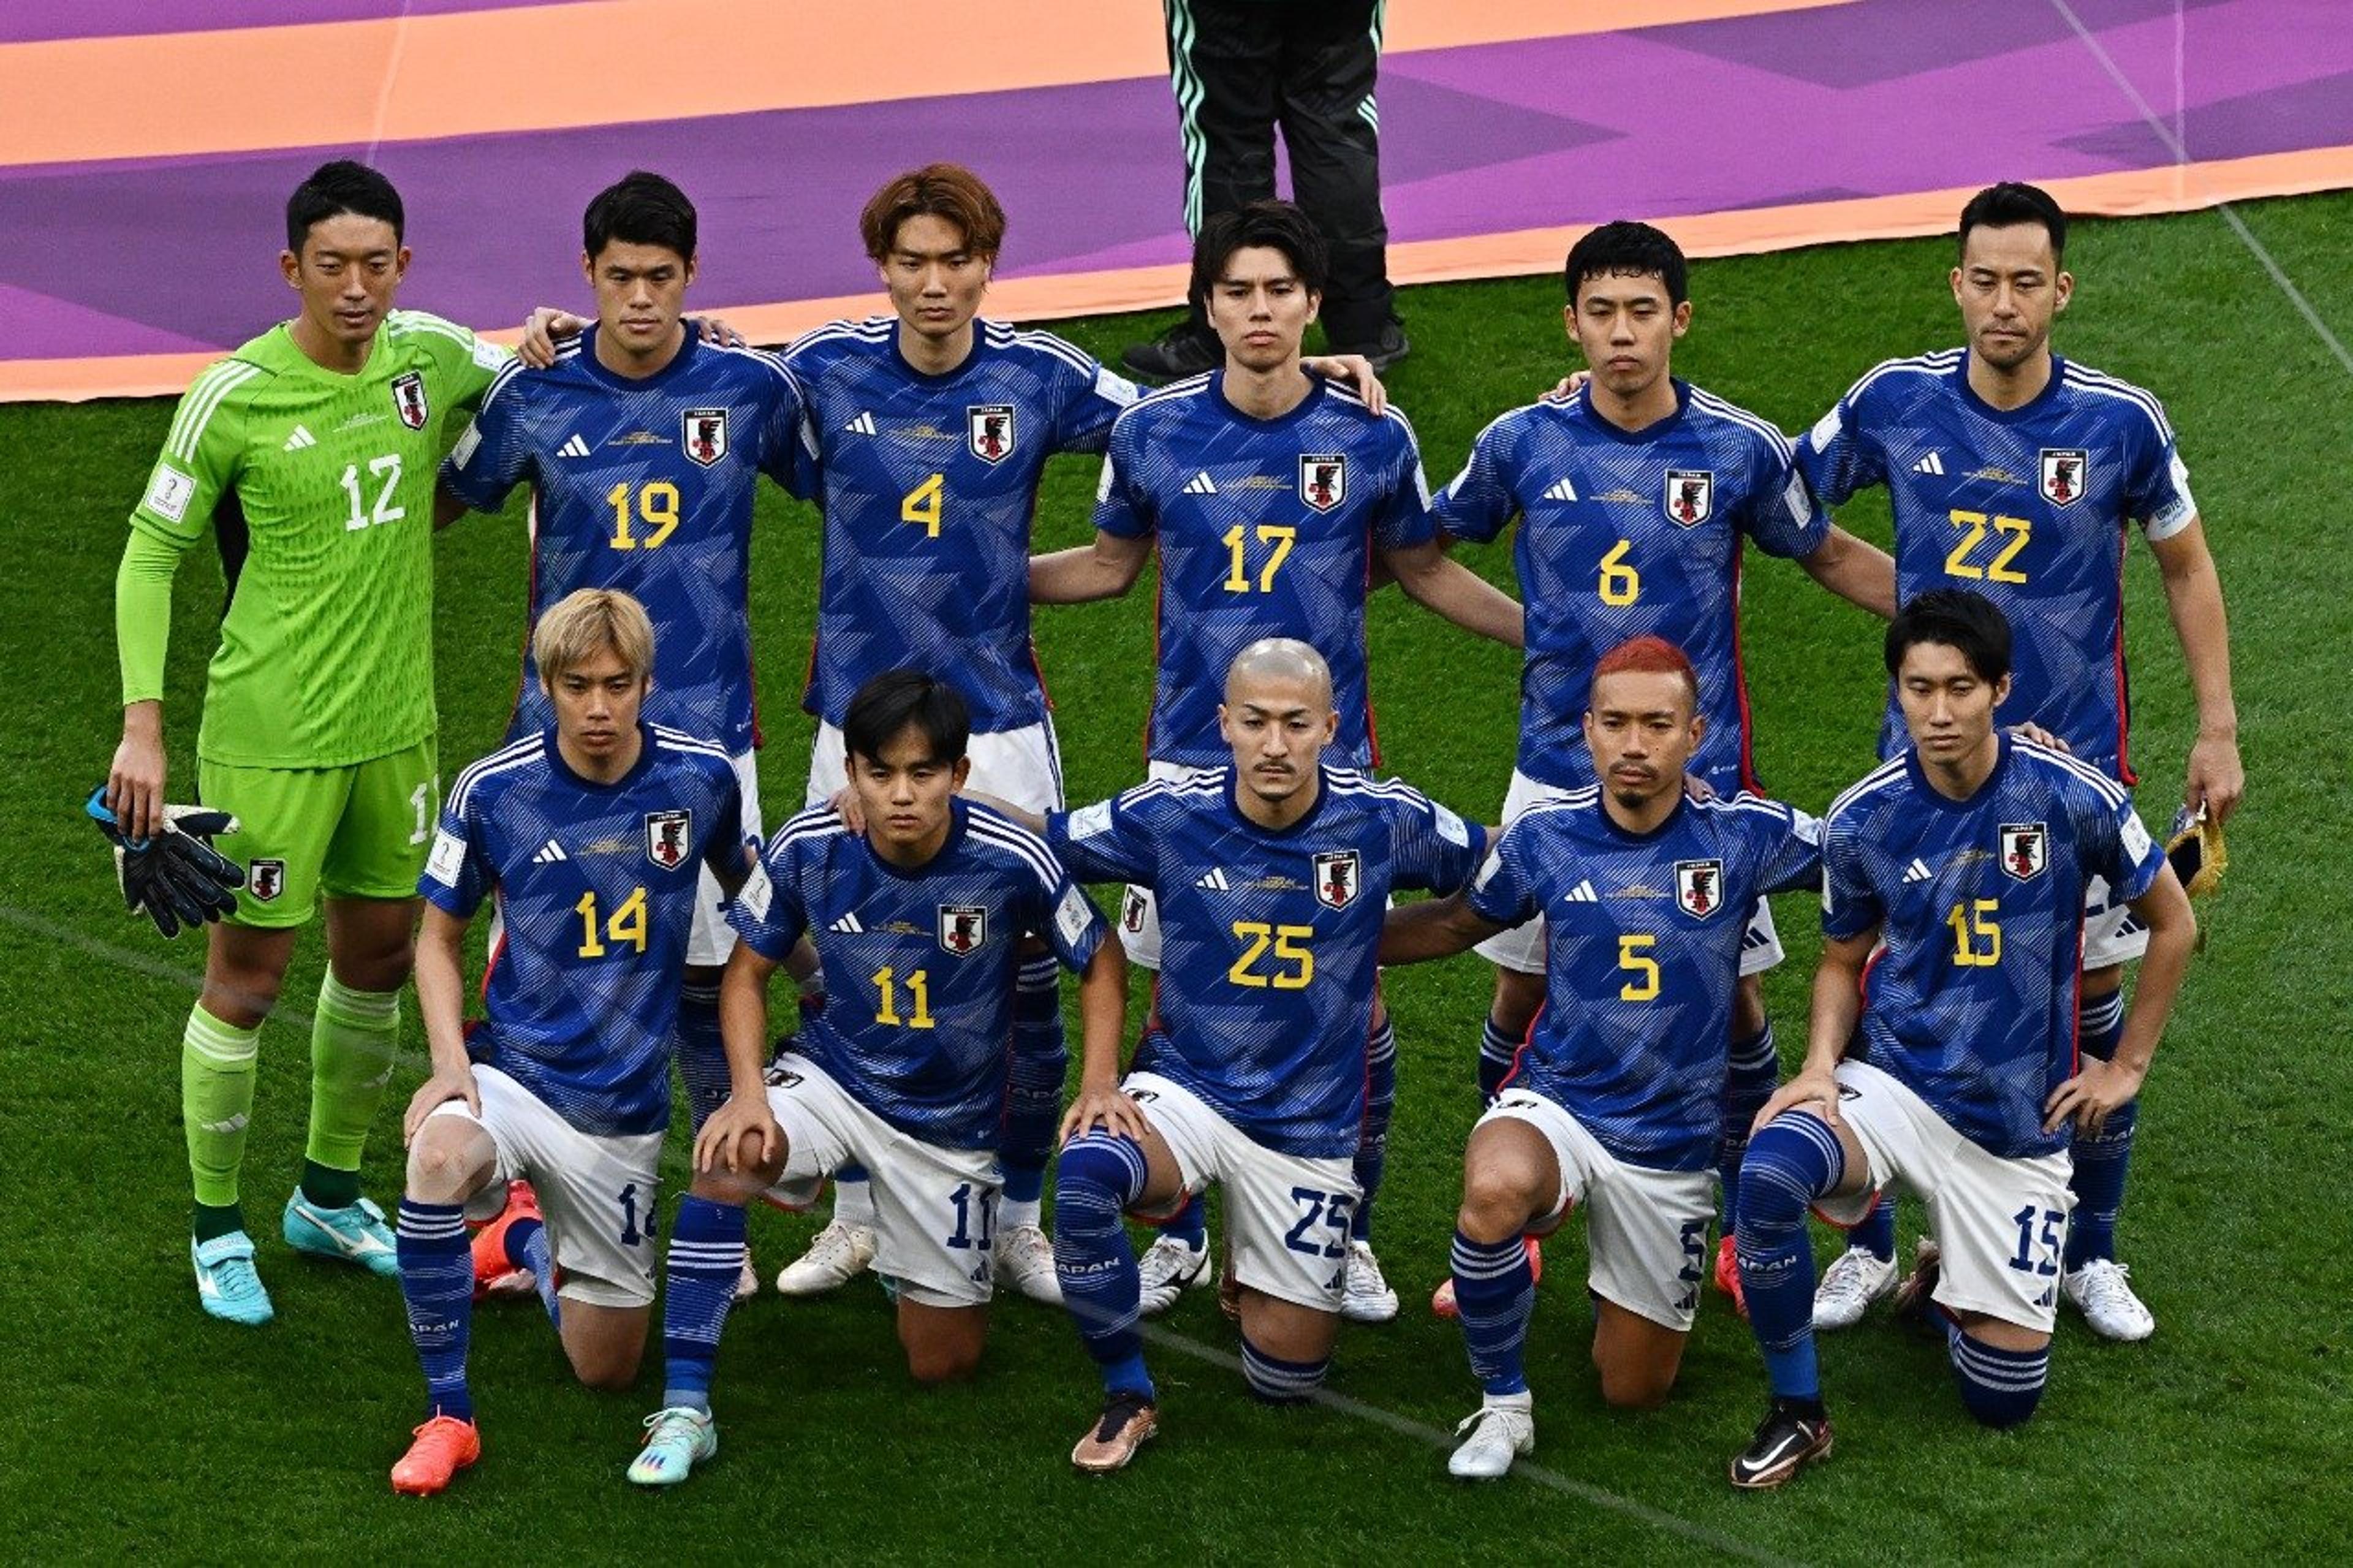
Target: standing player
(1635,494)
(932,428)
(1272,496)
(1968,858)
(1616,1102)
(643,447)
(2018,474)
(308,453)
(919,919)
(1271,874)
(591,834)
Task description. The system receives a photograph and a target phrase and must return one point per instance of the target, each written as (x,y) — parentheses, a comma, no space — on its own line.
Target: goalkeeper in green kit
(310,454)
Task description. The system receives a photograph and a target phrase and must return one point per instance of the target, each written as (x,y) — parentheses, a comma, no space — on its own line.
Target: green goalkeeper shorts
(359,832)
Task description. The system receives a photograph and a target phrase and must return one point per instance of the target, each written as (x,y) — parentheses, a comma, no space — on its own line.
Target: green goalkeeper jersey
(318,488)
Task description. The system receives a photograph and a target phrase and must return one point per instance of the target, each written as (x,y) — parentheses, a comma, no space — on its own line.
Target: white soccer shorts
(1022,766)
(1646,1229)
(935,1208)
(1287,1215)
(2113,934)
(596,1192)
(1520,949)
(1999,1223)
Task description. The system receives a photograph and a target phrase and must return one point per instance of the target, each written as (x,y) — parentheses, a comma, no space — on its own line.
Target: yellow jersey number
(2012,531)
(653,504)
(1277,537)
(1634,958)
(922,505)
(625,927)
(1977,935)
(1285,944)
(919,996)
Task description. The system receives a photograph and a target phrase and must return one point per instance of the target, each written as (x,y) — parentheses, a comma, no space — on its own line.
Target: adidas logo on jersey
(549,854)
(1201,484)
(1560,490)
(1582,893)
(1917,872)
(861,425)
(1215,881)
(1934,463)
(573,447)
(848,925)
(300,439)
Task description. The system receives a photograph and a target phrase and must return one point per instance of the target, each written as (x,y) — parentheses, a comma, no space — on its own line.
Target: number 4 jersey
(2027,506)
(595,886)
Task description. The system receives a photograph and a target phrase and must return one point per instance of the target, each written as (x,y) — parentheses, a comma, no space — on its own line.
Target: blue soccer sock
(1497,1053)
(1373,1141)
(1794,1161)
(1999,1387)
(702,1056)
(1752,1073)
(1097,1177)
(437,1280)
(2103,1158)
(706,1256)
(1279,1382)
(1876,1232)
(1033,1110)
(1189,1224)
(1494,1296)
(526,1245)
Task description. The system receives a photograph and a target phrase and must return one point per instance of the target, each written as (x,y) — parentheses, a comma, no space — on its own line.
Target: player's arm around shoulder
(462,364)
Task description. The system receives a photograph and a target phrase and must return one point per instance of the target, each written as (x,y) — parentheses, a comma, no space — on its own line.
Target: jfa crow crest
(1323,480)
(964,929)
(702,434)
(667,835)
(1699,887)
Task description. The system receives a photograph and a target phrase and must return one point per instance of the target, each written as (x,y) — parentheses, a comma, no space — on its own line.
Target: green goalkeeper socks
(354,1040)
(217,1074)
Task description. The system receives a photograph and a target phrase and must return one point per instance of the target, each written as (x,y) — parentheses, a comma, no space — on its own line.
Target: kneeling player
(1967,856)
(1616,1102)
(1270,875)
(919,922)
(592,836)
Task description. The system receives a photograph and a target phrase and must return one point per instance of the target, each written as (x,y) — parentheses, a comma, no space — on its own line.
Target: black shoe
(1786,1441)
(1383,351)
(1183,350)
(1915,1294)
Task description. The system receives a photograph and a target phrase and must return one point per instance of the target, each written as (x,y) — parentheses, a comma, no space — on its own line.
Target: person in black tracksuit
(1240,68)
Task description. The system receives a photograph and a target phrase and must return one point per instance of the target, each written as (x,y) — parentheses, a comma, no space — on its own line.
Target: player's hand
(1697,788)
(2031,731)
(1104,1106)
(713,330)
(741,1136)
(2092,1095)
(2216,779)
(1810,1091)
(546,326)
(845,804)
(1568,385)
(1356,371)
(134,784)
(444,1085)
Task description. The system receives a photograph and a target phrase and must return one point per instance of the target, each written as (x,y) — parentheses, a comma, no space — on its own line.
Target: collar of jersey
(1234,803)
(1943,802)
(1648,433)
(1292,416)
(379,361)
(941,377)
(1619,830)
(593,367)
(2026,410)
(563,769)
(958,814)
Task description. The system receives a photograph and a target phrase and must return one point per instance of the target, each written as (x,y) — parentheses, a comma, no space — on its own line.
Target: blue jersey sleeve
(1786,843)
(457,870)
(1780,513)
(1503,891)
(1434,848)
(787,440)
(2157,482)
(1478,503)
(1092,397)
(2118,846)
(1841,455)
(1850,906)
(1124,508)
(769,914)
(1061,912)
(1105,842)
(1404,519)
(494,454)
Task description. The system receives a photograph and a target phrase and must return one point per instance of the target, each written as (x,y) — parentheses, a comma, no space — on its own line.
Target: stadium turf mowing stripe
(2223,1438)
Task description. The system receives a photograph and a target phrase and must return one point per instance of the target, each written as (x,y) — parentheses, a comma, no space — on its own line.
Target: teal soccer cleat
(353,1234)
(226,1282)
(677,1439)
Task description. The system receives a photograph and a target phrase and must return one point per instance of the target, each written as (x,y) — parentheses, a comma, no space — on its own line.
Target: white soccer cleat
(747,1282)
(1024,1261)
(1166,1270)
(677,1439)
(1365,1295)
(837,1255)
(1498,1435)
(1855,1279)
(2102,1290)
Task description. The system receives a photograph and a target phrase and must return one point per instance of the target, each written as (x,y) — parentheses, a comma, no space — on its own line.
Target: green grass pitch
(136,1425)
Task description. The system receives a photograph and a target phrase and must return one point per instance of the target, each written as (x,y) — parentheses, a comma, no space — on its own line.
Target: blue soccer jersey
(928,485)
(1980,905)
(596,887)
(918,964)
(1268,937)
(1626,534)
(1266,528)
(644,486)
(1643,936)
(2027,506)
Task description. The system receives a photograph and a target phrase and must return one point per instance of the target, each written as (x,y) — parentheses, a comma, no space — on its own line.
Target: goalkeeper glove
(2196,849)
(176,877)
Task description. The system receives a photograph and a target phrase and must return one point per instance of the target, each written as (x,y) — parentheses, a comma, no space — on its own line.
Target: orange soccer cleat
(494,1275)
(443,1447)
(1727,1276)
